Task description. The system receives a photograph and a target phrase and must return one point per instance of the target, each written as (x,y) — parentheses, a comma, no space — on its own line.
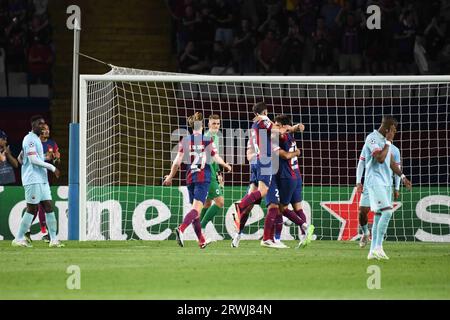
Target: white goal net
(132,121)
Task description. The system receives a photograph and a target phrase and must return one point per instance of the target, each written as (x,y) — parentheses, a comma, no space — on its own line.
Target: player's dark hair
(283,119)
(196,121)
(388,122)
(35,118)
(259,108)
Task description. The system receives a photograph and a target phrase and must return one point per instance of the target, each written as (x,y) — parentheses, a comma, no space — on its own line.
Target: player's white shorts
(365,201)
(380,197)
(35,193)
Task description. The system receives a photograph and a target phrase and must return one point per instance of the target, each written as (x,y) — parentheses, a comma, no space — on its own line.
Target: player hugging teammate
(275,175)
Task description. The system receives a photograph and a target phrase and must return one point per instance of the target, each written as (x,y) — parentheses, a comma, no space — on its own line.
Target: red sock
(250,199)
(269,223)
(278,226)
(190,217)
(198,230)
(244,217)
(302,216)
(295,218)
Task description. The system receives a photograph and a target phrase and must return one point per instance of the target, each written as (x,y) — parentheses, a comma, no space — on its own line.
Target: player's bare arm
(218,159)
(173,171)
(396,169)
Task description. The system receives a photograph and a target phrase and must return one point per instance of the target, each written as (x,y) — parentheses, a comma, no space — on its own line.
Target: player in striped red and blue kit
(198,152)
(262,133)
(289,181)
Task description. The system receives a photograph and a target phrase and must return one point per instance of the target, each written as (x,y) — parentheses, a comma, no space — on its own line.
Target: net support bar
(74,180)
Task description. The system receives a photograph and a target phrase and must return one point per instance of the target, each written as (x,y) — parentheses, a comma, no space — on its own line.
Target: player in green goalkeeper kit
(215,193)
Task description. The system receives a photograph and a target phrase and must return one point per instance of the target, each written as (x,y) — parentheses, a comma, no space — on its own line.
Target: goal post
(131,122)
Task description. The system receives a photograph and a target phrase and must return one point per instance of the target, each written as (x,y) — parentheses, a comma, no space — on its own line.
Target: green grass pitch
(162,270)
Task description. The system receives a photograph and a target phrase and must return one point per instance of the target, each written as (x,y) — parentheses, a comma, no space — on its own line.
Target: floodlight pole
(74,22)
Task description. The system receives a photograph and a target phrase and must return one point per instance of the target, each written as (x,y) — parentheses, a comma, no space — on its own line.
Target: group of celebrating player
(273,156)
(275,175)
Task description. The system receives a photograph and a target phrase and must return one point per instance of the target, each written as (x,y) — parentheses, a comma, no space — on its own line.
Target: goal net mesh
(133,129)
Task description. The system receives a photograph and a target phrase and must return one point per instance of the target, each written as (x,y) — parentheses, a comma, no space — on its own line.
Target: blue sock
(51,225)
(382,227)
(25,225)
(376,220)
(277,236)
(365,229)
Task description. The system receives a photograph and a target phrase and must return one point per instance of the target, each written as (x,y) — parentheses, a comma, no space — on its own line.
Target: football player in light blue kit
(378,181)
(35,183)
(364,204)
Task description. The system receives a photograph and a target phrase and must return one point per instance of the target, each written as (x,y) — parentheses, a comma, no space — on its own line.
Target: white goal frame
(322,80)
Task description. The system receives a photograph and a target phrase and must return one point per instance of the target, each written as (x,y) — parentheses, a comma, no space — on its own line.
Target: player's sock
(278,226)
(249,199)
(244,217)
(302,216)
(52,225)
(295,218)
(365,229)
(269,223)
(382,227)
(42,220)
(376,219)
(209,215)
(190,217)
(25,225)
(198,230)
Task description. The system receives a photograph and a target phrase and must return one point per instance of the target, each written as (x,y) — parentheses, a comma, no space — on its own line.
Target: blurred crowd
(310,37)
(26,39)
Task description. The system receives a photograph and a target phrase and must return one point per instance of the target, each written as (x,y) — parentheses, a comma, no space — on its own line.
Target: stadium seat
(401,93)
(187,91)
(274,90)
(253,89)
(382,92)
(3,86)
(2,60)
(18,91)
(443,91)
(319,91)
(209,91)
(39,90)
(336,92)
(231,91)
(17,84)
(359,92)
(296,91)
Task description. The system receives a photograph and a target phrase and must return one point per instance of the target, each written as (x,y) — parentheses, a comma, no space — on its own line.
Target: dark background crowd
(310,37)
(26,40)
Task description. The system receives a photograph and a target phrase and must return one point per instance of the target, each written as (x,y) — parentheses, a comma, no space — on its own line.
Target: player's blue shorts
(198,191)
(35,193)
(365,201)
(261,173)
(290,190)
(380,197)
(273,195)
